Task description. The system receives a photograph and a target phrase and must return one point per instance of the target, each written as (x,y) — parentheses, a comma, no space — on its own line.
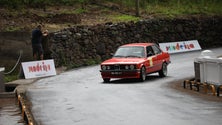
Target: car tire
(142,74)
(163,71)
(106,80)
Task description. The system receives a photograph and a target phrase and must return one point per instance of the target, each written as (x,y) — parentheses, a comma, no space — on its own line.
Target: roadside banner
(181,46)
(42,68)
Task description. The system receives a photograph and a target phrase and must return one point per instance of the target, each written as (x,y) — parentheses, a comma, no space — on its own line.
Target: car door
(150,59)
(157,59)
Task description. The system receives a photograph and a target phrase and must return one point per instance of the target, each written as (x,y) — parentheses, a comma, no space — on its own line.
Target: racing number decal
(151,61)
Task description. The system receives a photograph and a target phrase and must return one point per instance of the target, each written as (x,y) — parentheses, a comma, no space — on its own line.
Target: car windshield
(130,51)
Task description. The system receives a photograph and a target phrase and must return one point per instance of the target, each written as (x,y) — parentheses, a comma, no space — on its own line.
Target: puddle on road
(10,113)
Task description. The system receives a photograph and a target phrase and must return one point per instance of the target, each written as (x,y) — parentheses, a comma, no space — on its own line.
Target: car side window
(149,51)
(156,49)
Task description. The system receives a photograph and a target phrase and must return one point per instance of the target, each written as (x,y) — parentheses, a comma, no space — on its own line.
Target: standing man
(45,44)
(37,43)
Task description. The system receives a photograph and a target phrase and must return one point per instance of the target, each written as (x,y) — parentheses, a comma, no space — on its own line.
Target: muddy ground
(55,18)
(178,86)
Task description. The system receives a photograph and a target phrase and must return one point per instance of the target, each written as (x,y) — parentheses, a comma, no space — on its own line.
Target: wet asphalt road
(10,113)
(79,97)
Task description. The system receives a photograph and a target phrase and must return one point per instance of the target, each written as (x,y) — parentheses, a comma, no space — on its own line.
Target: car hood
(123,61)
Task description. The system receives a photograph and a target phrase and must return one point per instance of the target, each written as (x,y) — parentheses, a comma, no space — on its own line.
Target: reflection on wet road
(79,97)
(10,113)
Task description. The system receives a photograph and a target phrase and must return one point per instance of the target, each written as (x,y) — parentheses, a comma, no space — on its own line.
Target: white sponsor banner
(181,46)
(35,69)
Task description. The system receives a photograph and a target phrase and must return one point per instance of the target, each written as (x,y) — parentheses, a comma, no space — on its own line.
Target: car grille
(117,67)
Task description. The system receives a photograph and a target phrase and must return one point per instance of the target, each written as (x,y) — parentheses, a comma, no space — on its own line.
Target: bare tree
(137,8)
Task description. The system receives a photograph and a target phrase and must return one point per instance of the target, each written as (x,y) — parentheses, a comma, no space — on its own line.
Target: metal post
(2,85)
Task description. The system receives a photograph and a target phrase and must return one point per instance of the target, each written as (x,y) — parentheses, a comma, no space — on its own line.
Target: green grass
(123,18)
(9,78)
(173,8)
(80,11)
(184,8)
(12,29)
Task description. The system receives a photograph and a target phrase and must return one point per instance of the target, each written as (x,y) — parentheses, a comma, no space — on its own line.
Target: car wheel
(163,71)
(106,80)
(142,74)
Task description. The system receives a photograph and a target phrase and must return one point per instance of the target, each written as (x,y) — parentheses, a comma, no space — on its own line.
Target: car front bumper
(120,73)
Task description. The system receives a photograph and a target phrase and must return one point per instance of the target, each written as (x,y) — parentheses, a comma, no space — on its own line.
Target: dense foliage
(143,3)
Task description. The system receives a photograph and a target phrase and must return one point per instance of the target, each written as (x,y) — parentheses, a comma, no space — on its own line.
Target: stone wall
(85,45)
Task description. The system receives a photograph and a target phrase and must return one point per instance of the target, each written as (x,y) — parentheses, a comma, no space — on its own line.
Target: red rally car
(135,60)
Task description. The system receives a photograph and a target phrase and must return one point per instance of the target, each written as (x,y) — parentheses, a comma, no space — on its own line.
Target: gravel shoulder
(178,86)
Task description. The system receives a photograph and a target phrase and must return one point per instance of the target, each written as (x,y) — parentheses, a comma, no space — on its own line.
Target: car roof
(138,44)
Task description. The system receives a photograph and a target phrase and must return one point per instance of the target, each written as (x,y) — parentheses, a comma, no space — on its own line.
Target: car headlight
(132,67)
(103,67)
